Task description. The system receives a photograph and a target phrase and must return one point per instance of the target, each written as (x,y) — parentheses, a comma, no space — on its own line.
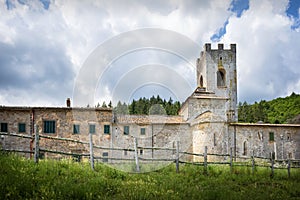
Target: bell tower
(216,90)
(216,74)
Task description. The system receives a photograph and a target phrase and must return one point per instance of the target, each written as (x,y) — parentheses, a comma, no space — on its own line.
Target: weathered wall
(13,117)
(255,137)
(160,131)
(213,136)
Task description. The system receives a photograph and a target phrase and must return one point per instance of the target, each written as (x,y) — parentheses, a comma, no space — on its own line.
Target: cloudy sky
(45,46)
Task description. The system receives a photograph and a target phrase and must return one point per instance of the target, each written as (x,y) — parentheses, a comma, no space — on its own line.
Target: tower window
(221,78)
(201,81)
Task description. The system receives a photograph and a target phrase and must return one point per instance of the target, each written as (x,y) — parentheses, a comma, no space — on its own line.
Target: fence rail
(253,161)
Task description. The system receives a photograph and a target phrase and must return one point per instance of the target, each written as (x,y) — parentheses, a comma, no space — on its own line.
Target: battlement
(207,47)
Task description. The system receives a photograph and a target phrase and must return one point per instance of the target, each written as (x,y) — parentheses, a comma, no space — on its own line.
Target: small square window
(143,131)
(126,130)
(107,129)
(271,136)
(3,127)
(92,128)
(22,127)
(105,156)
(49,126)
(141,152)
(76,129)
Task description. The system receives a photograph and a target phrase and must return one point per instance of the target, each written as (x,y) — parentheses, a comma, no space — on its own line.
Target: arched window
(221,78)
(245,148)
(201,81)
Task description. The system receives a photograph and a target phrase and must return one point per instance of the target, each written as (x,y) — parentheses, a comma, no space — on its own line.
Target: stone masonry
(208,117)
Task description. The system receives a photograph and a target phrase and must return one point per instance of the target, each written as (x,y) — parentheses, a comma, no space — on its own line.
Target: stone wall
(249,138)
(160,131)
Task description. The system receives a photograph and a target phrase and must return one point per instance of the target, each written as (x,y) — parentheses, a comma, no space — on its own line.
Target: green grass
(21,178)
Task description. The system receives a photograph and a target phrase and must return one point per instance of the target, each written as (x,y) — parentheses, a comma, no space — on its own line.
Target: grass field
(21,178)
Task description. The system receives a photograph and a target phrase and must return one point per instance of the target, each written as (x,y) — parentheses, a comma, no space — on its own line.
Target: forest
(145,106)
(277,111)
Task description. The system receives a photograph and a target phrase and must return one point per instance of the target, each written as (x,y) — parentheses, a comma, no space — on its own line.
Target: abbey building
(208,118)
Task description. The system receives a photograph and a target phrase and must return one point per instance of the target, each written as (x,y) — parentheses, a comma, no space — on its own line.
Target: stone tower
(212,106)
(216,74)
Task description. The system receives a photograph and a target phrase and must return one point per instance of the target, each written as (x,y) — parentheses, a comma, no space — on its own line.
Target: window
(258,135)
(92,128)
(22,127)
(201,81)
(105,156)
(271,136)
(221,78)
(215,142)
(3,127)
(76,129)
(125,152)
(49,126)
(126,130)
(143,131)
(288,137)
(107,129)
(245,148)
(141,152)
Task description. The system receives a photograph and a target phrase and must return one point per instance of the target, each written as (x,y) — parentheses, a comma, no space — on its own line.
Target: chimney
(68,102)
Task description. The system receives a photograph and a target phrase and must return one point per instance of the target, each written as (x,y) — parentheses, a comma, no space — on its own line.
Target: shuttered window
(49,126)
(22,127)
(3,127)
(271,136)
(92,128)
(76,129)
(106,129)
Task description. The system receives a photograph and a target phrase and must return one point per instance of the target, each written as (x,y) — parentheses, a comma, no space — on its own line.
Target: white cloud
(267,60)
(42,50)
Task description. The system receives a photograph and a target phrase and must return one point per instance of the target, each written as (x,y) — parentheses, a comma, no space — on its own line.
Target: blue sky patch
(239,6)
(216,37)
(10,5)
(46,3)
(293,12)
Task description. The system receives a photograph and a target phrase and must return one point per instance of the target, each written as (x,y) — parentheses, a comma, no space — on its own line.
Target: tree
(104,105)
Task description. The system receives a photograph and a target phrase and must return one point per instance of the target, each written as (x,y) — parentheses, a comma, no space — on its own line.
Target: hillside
(277,111)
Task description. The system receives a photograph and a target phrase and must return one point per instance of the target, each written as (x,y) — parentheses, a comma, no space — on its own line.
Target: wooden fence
(232,160)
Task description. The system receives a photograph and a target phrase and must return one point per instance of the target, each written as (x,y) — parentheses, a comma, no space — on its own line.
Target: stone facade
(207,118)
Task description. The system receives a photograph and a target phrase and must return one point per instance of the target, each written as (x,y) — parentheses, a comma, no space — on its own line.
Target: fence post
(289,167)
(272,167)
(136,155)
(177,156)
(231,160)
(36,144)
(205,160)
(253,162)
(91,151)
